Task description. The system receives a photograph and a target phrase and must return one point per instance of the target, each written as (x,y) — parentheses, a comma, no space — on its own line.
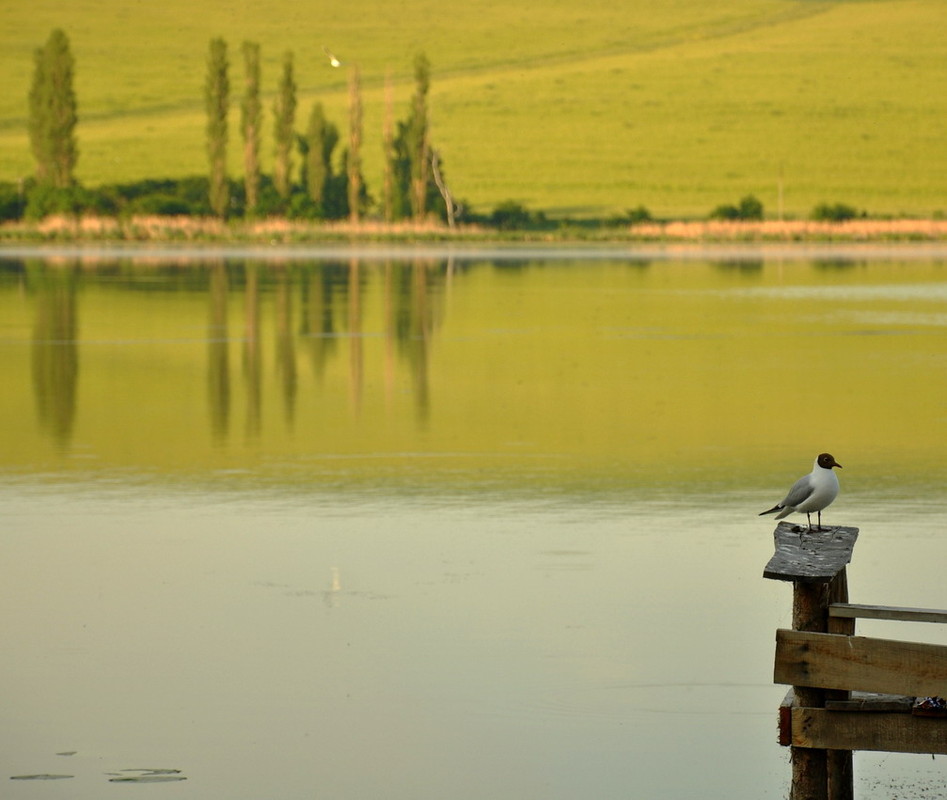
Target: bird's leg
(809,520)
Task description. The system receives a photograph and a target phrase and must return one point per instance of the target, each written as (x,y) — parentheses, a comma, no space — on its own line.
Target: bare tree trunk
(442,187)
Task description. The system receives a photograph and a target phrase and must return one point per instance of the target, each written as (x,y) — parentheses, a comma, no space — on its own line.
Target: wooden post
(839,762)
(810,772)
(815,563)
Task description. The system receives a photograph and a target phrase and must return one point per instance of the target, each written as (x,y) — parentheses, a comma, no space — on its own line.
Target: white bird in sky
(812,492)
(332,59)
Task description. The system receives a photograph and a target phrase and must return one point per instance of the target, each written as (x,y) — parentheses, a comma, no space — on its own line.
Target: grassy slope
(588,107)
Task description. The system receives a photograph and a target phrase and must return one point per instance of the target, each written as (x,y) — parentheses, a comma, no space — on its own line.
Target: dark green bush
(43,200)
(161,204)
(750,208)
(833,212)
(725,212)
(511,215)
(636,216)
(12,201)
(162,196)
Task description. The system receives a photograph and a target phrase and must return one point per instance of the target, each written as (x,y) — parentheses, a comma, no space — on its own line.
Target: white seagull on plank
(812,492)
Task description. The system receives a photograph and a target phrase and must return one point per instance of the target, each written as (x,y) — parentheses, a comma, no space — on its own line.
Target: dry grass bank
(281,231)
(859,230)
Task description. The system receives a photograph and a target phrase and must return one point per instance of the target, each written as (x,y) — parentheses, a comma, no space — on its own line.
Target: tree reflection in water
(55,358)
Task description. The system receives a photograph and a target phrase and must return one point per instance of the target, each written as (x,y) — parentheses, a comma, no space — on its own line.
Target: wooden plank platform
(809,557)
(859,663)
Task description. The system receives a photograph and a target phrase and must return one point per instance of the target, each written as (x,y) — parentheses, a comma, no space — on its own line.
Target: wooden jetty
(848,692)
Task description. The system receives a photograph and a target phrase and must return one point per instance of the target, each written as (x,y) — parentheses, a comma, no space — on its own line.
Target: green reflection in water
(600,374)
(55,361)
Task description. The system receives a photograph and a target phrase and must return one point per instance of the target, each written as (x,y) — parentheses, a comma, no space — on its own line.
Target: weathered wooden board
(853,730)
(857,611)
(859,702)
(873,703)
(859,663)
(809,557)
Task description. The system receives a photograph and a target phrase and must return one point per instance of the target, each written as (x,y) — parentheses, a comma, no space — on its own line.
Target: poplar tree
(409,154)
(417,137)
(251,117)
(388,145)
(216,95)
(284,110)
(53,113)
(354,160)
(321,138)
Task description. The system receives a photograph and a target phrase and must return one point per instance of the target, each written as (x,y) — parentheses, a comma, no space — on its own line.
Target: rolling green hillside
(578,107)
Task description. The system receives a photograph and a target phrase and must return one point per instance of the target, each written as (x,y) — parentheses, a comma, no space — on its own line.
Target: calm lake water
(472,525)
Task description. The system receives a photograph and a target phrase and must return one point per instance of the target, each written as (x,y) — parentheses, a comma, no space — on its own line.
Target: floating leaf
(148,776)
(42,777)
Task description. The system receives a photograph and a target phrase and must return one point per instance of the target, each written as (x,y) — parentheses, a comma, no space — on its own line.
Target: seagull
(332,59)
(811,492)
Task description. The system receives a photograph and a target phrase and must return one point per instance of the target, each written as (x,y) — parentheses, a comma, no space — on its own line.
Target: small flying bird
(333,61)
(812,492)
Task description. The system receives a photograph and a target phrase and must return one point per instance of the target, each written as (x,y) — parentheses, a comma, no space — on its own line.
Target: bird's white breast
(825,490)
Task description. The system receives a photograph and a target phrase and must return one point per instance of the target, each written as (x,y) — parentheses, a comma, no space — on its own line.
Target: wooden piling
(841,778)
(815,563)
(810,777)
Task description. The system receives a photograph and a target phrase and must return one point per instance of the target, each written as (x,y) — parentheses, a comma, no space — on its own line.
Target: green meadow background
(575,107)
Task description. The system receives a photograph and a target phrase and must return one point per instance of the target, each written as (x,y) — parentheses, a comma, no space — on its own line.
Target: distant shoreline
(927,235)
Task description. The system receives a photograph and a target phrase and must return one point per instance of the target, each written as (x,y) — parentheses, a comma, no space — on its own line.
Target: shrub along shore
(158,229)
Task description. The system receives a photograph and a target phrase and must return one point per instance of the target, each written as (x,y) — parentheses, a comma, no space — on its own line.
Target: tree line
(309,179)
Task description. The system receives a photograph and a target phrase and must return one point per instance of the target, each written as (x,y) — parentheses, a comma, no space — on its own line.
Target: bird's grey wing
(799,492)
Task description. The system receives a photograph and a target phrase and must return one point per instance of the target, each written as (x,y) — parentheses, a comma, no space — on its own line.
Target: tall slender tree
(284,110)
(417,137)
(354,160)
(53,112)
(388,143)
(414,191)
(251,117)
(39,117)
(321,138)
(217,98)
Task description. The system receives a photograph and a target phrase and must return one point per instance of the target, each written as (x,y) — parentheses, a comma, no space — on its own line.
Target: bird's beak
(836,464)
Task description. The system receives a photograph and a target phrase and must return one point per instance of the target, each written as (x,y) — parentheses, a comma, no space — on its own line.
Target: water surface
(473,525)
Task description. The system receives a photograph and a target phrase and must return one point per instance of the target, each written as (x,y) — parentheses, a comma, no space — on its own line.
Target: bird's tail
(773,510)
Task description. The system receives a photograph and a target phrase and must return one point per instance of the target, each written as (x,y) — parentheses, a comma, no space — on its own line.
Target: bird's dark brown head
(827,461)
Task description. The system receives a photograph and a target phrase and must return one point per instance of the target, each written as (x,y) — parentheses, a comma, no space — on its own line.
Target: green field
(578,107)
